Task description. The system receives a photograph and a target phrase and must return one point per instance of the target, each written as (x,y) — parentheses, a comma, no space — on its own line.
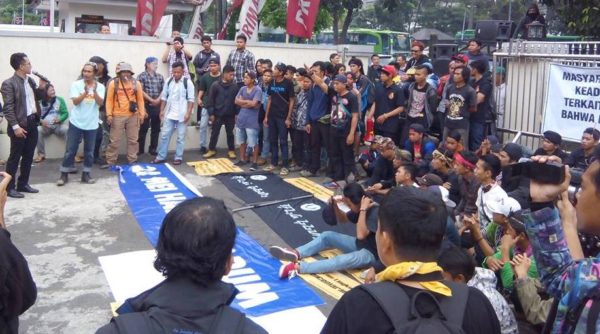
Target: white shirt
(30,98)
(177,98)
(495,194)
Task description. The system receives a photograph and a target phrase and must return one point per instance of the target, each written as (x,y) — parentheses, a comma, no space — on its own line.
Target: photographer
(567,277)
(17,288)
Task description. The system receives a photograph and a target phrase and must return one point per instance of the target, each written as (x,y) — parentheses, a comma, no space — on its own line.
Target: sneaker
(307,173)
(261,161)
(269,168)
(203,150)
(331,185)
(240,163)
(231,155)
(39,158)
(295,168)
(284,171)
(106,165)
(284,253)
(209,154)
(288,271)
(253,167)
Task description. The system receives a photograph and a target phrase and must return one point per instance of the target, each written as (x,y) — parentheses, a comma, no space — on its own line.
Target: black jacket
(221,99)
(177,306)
(17,288)
(15,104)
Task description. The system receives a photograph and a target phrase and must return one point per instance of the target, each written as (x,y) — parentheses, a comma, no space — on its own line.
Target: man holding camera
(124,113)
(566,275)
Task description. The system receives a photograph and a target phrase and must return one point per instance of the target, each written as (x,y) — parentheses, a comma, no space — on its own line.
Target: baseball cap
(151,60)
(461,58)
(430,179)
(504,206)
(389,70)
(340,78)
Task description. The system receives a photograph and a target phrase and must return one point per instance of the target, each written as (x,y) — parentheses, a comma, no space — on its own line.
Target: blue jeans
(278,136)
(204,128)
(74,136)
(169,125)
(352,258)
(476,135)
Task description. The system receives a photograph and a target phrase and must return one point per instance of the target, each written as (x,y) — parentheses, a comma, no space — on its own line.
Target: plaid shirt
(152,84)
(242,62)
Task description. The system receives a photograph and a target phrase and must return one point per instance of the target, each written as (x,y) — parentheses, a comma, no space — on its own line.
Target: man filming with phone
(552,224)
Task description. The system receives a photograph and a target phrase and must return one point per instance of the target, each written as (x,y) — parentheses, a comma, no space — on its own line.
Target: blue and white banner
(153,190)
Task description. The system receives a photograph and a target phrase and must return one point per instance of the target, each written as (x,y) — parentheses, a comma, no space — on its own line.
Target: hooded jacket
(484,280)
(221,99)
(528,19)
(177,305)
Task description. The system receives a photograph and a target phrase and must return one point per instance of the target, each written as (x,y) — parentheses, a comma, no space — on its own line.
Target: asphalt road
(63,231)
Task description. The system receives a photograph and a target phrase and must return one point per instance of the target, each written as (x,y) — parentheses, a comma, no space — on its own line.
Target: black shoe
(153,152)
(27,189)
(99,161)
(64,178)
(86,178)
(203,150)
(14,194)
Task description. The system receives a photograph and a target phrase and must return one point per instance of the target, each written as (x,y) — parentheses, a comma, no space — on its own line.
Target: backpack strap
(185,79)
(228,320)
(454,308)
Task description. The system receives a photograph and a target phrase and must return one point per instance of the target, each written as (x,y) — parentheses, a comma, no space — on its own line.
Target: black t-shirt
(369,242)
(577,159)
(342,108)
(280,93)
(386,100)
(460,101)
(559,153)
(483,86)
(357,312)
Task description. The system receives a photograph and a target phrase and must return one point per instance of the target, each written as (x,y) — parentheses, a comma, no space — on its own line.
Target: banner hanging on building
(153,190)
(249,19)
(572,100)
(197,28)
(235,5)
(149,13)
(301,17)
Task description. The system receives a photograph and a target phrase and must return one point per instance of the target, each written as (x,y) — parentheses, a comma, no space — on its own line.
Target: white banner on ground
(129,274)
(572,100)
(197,28)
(249,18)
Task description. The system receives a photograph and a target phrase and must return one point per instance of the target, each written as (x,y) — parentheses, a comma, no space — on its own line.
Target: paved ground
(63,231)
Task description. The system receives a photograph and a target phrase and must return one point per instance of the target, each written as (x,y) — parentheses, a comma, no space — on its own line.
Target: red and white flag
(249,19)
(149,13)
(197,28)
(301,17)
(235,5)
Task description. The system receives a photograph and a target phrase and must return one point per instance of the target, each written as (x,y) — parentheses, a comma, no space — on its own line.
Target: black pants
(318,138)
(393,134)
(229,122)
(21,151)
(300,147)
(152,123)
(341,155)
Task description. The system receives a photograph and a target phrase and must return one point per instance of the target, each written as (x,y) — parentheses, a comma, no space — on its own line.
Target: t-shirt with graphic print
(460,100)
(280,93)
(342,108)
(417,107)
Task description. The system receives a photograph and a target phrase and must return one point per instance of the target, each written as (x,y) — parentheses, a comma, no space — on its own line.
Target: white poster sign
(249,19)
(197,28)
(573,100)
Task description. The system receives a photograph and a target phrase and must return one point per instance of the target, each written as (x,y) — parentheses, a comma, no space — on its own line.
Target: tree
(341,9)
(580,17)
(274,15)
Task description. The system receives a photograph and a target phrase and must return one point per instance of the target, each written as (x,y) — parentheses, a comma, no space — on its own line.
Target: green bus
(386,43)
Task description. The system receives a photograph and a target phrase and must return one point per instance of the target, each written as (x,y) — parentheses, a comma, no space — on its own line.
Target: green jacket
(506,273)
(60,105)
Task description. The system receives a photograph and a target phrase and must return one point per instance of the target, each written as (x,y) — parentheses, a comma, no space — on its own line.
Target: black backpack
(185,79)
(405,317)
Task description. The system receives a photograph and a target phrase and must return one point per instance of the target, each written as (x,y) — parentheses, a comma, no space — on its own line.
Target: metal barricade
(527,65)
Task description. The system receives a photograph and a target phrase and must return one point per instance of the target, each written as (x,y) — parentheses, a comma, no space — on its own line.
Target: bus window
(385,44)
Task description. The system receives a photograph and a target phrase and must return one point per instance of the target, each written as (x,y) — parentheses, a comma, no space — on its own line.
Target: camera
(133,107)
(545,173)
(575,184)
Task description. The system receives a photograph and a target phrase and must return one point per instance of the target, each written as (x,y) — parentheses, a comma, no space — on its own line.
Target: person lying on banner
(358,252)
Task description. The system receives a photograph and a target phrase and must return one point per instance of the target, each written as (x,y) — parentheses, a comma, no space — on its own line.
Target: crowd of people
(447,219)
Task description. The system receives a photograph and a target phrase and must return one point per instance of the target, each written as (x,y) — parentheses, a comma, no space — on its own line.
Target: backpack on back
(403,314)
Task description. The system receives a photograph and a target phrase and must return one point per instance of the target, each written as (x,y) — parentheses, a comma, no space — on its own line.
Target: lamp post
(535,31)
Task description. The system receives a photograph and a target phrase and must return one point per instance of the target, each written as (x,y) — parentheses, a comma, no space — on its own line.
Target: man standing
(87,96)
(474,47)
(422,101)
(481,120)
(204,84)
(417,56)
(241,60)
(102,138)
(278,117)
(388,105)
(462,101)
(22,112)
(201,61)
(152,84)
(176,52)
(124,113)
(177,102)
(222,111)
(373,71)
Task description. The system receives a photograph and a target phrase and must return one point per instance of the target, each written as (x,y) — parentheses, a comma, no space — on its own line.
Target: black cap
(553,137)
(417,127)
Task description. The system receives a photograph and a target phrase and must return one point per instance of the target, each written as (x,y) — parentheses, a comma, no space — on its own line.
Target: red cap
(390,70)
(461,57)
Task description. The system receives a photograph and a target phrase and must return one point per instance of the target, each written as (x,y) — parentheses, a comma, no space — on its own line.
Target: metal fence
(527,65)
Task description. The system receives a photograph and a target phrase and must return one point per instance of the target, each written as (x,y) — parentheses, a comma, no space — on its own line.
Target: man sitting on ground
(359,251)
(194,252)
(409,235)
(551,146)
